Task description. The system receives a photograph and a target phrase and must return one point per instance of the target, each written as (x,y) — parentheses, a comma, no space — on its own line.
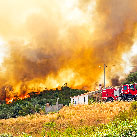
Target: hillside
(69,120)
(36,102)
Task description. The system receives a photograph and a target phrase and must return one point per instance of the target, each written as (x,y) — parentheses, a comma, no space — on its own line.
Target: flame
(44,44)
(10,100)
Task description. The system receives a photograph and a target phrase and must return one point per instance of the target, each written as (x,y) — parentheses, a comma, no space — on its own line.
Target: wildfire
(44,44)
(10,100)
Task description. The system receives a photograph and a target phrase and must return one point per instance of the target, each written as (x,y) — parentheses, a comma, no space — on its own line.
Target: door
(125,89)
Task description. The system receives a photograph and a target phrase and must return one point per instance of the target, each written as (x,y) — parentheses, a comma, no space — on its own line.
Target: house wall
(83,99)
(53,108)
(71,100)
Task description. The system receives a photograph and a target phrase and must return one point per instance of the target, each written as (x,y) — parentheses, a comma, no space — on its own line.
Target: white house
(84,98)
(80,99)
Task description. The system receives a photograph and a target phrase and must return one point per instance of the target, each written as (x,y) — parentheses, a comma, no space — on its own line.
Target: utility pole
(104,74)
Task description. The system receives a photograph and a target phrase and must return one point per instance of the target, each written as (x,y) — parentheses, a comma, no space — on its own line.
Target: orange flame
(10,100)
(65,45)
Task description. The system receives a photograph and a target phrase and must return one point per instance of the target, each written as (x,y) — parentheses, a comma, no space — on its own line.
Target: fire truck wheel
(135,98)
(110,99)
(129,99)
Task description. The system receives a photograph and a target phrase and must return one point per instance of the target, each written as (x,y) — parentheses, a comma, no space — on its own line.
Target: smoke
(53,42)
(115,81)
(134,63)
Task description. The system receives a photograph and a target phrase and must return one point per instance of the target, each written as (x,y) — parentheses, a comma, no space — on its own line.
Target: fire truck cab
(129,91)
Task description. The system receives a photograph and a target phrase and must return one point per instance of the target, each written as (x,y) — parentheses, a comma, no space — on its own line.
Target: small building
(85,98)
(53,108)
(80,99)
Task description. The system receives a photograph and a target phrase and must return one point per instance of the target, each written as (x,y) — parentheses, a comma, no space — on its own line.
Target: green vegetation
(6,135)
(114,129)
(36,102)
(9,135)
(125,125)
(132,78)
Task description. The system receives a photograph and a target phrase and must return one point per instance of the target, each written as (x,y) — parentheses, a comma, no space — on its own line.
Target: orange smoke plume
(49,43)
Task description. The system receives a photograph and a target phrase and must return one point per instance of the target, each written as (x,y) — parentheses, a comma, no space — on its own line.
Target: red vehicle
(110,94)
(126,92)
(129,91)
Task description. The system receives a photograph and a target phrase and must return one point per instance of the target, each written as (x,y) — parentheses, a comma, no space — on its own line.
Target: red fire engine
(126,92)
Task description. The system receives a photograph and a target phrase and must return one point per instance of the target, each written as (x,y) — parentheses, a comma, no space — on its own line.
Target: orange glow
(44,44)
(10,100)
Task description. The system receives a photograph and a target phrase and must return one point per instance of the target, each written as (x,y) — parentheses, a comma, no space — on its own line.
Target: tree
(132,78)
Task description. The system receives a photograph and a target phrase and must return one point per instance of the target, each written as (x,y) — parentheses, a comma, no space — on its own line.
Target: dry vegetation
(68,116)
(91,114)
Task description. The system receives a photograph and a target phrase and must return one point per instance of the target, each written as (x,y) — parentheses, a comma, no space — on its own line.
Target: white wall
(79,99)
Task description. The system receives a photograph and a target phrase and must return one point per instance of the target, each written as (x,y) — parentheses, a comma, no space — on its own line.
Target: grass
(124,124)
(112,129)
(74,119)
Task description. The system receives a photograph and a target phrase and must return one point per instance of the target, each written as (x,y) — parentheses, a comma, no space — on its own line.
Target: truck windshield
(132,87)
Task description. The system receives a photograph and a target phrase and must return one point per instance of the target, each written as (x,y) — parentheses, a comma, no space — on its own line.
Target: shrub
(36,103)
(6,135)
(122,125)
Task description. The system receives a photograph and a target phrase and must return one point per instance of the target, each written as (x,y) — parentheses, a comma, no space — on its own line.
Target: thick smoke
(115,81)
(134,63)
(53,42)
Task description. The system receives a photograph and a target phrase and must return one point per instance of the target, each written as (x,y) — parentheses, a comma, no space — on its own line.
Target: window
(73,100)
(132,87)
(84,99)
(125,87)
(136,87)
